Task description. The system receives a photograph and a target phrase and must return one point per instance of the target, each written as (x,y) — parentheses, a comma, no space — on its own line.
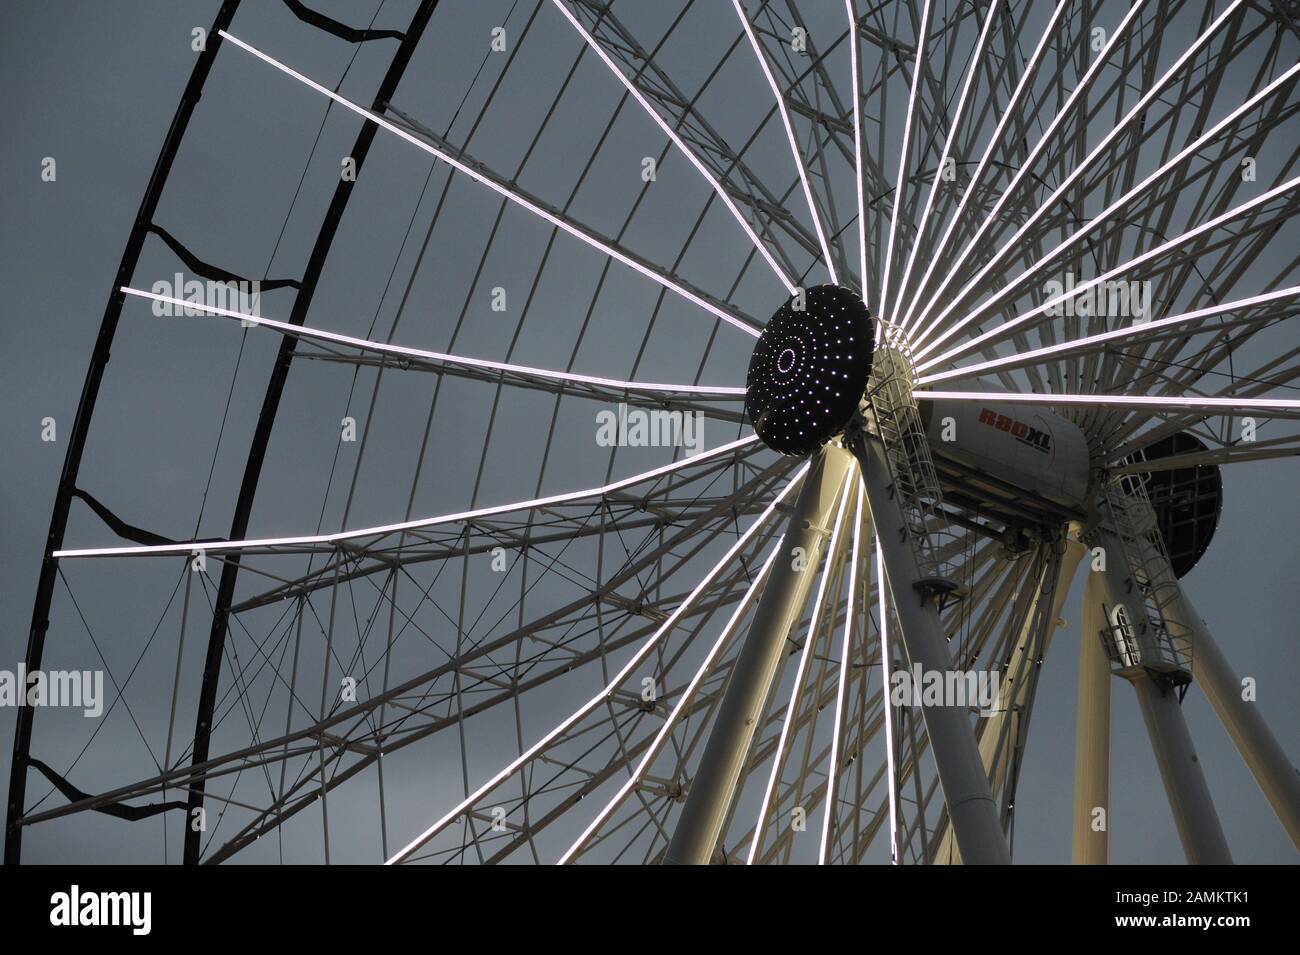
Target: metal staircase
(1152,643)
(915,483)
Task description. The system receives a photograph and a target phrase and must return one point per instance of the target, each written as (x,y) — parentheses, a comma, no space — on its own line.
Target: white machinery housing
(1014,461)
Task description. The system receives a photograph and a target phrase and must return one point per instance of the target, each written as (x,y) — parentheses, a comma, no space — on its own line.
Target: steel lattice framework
(631,667)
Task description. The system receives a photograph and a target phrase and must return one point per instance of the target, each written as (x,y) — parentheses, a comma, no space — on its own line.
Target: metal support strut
(1197,821)
(966,790)
(1091,844)
(1148,648)
(1254,741)
(1005,728)
(713,788)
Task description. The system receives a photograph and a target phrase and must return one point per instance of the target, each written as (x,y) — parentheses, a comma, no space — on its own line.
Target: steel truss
(692,658)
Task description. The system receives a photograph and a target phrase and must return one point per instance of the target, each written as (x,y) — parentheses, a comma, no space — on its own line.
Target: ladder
(916,488)
(1153,644)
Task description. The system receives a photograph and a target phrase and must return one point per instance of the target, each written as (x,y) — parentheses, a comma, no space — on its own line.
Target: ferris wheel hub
(809,369)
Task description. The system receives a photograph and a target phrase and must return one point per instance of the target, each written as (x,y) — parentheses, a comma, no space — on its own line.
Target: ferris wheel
(677,434)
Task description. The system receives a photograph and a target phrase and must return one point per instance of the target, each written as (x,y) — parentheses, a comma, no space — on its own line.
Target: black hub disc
(809,369)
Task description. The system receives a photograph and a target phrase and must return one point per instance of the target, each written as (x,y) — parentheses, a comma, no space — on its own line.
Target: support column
(1014,687)
(1272,770)
(1012,694)
(972,811)
(784,597)
(1189,796)
(1197,821)
(1092,732)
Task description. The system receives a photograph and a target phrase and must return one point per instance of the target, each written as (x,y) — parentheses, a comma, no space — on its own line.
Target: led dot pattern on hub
(809,370)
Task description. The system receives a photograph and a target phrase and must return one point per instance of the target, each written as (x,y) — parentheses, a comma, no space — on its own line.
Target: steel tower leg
(1197,820)
(1013,690)
(1189,796)
(1092,732)
(972,811)
(713,788)
(1259,748)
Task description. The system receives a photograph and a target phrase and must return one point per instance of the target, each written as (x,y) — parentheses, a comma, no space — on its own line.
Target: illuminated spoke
(1091,342)
(882,612)
(846,651)
(1026,77)
(1028,162)
(440,358)
(857,148)
(281,543)
(977,61)
(677,141)
(1101,219)
(1045,310)
(801,674)
(645,648)
(515,196)
(1160,402)
(886,305)
(789,132)
(670,723)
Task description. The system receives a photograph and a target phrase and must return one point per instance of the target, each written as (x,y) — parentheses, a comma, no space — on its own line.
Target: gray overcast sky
(94,85)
